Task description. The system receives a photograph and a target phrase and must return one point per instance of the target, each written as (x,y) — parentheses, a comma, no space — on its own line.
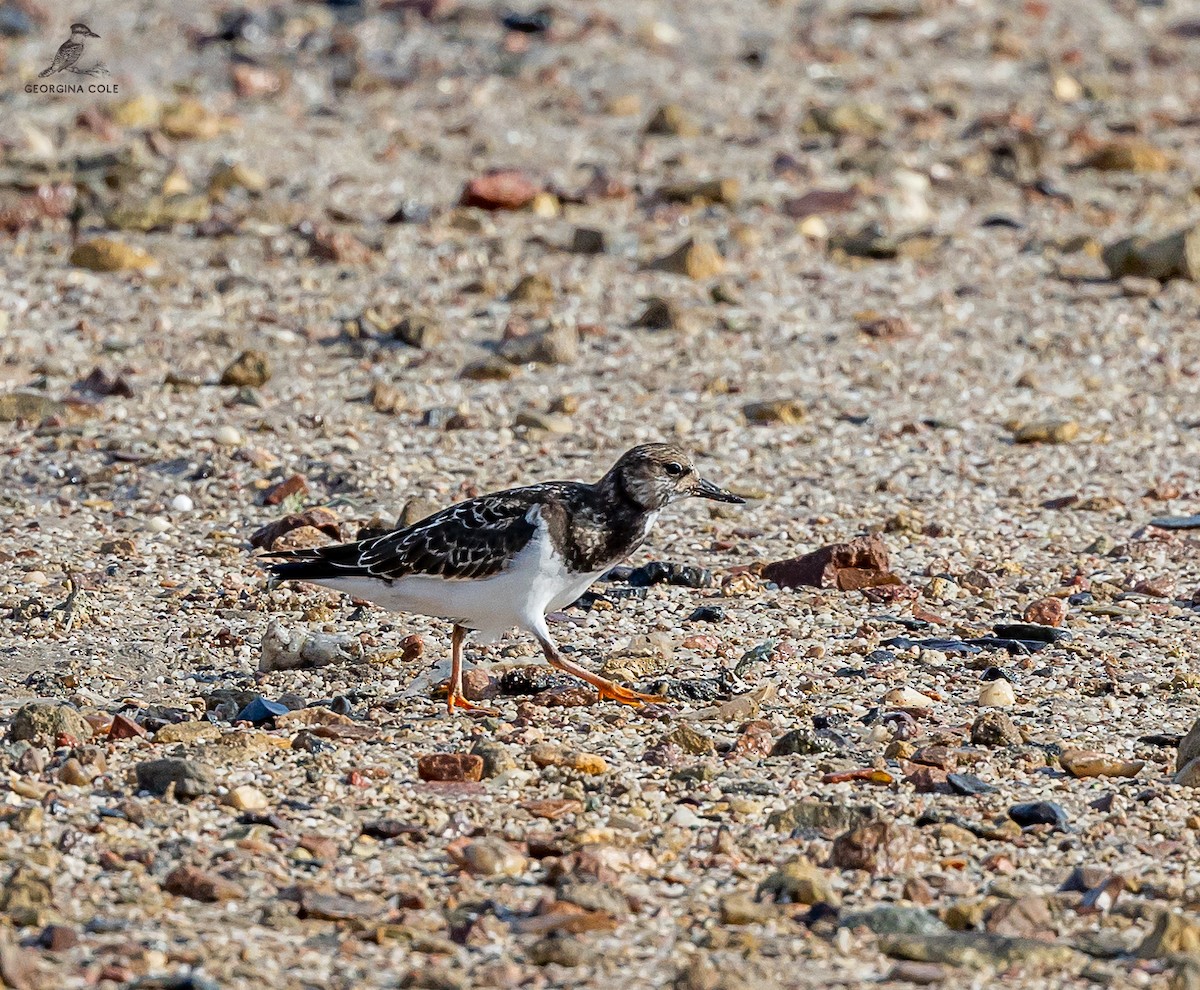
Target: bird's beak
(92,34)
(706,489)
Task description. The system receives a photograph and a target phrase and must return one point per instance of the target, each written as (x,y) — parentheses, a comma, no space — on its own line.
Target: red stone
(125,728)
(500,190)
(820,201)
(319,518)
(188,881)
(454,767)
(286,489)
(861,563)
(552,809)
(1046,612)
(479,685)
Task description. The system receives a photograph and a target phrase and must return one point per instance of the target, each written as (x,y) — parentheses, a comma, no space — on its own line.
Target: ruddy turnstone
(510,558)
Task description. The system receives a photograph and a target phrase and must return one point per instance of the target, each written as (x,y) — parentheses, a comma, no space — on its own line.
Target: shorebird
(508,559)
(69,51)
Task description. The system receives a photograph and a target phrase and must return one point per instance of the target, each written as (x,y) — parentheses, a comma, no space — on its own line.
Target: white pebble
(227,436)
(157,524)
(997,694)
(182,503)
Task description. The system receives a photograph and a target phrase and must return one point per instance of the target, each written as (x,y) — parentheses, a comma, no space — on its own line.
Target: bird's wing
(473,539)
(68,53)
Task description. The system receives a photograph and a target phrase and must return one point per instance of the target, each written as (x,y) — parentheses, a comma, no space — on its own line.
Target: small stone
(532,289)
(321,519)
(199,885)
(1047,431)
(1176,255)
(707,192)
(689,740)
(672,120)
(880,327)
(1046,612)
(422,330)
(995,730)
(1085,763)
(799,882)
(500,190)
(1039,813)
(489,369)
(182,503)
(487,857)
(300,649)
(1128,156)
(187,733)
(660,314)
(823,816)
(247,798)
(891,919)
(227,436)
(877,846)
(802,742)
(861,563)
(1173,933)
(29,406)
(531,419)
(249,369)
(789,412)
(338,907)
(106,254)
(43,723)
(191,779)
(1189,774)
(588,240)
(191,119)
(496,757)
(73,772)
(906,697)
(1158,587)
(559,949)
(125,728)
(847,119)
(591,764)
(228,176)
(697,258)
(743,909)
(997,694)
(558,344)
(450,766)
(1189,746)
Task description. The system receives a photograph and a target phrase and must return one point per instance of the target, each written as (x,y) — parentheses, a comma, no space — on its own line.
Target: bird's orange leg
(454,697)
(608,689)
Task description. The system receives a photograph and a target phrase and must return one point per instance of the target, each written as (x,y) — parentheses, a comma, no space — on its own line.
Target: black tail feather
(317,564)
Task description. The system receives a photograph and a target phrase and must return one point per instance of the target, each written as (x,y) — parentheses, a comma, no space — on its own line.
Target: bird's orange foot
(457,700)
(626,696)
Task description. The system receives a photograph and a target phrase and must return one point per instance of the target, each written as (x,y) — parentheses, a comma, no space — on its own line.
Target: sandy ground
(973,136)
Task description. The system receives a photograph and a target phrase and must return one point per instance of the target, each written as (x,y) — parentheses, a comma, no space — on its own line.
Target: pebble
(189,778)
(997,694)
(227,436)
(158,524)
(247,798)
(182,503)
(995,729)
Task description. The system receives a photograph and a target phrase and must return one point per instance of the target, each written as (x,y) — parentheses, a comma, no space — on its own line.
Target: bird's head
(656,474)
(83,31)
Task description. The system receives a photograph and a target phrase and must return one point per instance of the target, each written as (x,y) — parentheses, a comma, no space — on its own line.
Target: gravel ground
(891,316)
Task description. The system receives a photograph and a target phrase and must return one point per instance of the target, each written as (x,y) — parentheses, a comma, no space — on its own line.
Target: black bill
(706,489)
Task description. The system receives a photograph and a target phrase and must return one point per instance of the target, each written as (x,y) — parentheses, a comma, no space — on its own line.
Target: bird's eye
(674,469)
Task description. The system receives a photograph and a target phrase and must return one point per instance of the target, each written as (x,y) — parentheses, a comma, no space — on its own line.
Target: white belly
(534,583)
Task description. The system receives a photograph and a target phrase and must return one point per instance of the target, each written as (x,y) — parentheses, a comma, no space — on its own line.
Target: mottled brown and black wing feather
(473,539)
